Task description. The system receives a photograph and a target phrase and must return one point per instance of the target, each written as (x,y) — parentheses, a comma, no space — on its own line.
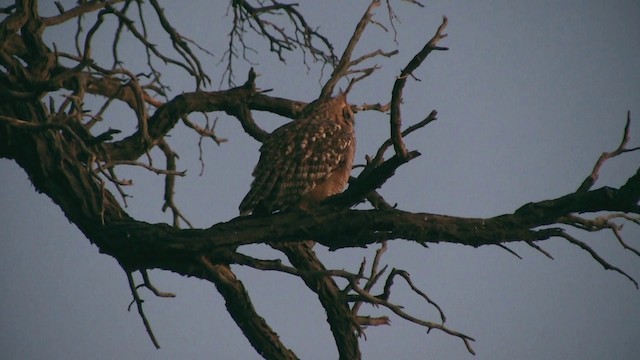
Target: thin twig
(405,275)
(616,232)
(621,149)
(146,166)
(398,311)
(509,251)
(595,255)
(138,301)
(204,132)
(374,276)
(154,290)
(543,251)
(383,148)
(343,65)
(600,223)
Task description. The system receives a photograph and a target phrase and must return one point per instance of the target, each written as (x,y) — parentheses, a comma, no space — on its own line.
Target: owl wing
(295,159)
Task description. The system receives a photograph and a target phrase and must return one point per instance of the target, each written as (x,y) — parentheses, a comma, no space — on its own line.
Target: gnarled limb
(260,335)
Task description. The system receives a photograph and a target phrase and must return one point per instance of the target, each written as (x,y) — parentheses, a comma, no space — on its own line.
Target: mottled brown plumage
(304,161)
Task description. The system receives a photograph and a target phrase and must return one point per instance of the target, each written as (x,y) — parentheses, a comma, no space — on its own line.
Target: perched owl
(304,161)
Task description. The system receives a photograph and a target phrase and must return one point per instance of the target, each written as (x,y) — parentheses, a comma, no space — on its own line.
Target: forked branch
(345,61)
(398,86)
(621,149)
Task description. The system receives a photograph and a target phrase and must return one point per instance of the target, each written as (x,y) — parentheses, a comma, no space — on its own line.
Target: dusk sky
(528,97)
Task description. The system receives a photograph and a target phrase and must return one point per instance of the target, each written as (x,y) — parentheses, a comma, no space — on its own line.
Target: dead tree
(46,130)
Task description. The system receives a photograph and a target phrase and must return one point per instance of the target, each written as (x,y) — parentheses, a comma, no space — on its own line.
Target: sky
(528,96)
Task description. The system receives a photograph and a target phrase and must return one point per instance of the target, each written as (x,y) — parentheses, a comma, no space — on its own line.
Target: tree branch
(398,86)
(342,323)
(345,61)
(253,326)
(167,115)
(621,149)
(138,301)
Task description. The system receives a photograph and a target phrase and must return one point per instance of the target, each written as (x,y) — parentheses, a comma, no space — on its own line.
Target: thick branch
(255,328)
(166,116)
(162,246)
(342,323)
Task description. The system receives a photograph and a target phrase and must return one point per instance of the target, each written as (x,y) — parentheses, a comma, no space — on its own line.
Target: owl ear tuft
(342,95)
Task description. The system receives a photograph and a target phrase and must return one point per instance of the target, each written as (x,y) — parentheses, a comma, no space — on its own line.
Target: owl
(304,161)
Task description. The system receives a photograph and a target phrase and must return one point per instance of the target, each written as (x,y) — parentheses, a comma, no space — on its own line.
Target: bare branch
(138,301)
(506,248)
(372,55)
(595,255)
(603,222)
(261,264)
(621,149)
(380,154)
(169,185)
(370,179)
(181,46)
(541,250)
(393,17)
(345,61)
(374,276)
(405,275)
(237,101)
(616,232)
(263,21)
(373,321)
(192,69)
(343,324)
(398,86)
(260,335)
(398,311)
(146,166)
(82,8)
(154,290)
(203,132)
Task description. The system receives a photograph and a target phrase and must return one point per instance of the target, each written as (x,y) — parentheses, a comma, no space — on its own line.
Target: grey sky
(528,97)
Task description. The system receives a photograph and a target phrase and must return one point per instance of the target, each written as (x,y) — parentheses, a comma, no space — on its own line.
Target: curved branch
(341,321)
(79,10)
(621,149)
(595,256)
(398,86)
(255,328)
(166,116)
(398,311)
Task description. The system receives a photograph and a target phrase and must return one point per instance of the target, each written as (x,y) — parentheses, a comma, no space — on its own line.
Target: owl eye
(346,112)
